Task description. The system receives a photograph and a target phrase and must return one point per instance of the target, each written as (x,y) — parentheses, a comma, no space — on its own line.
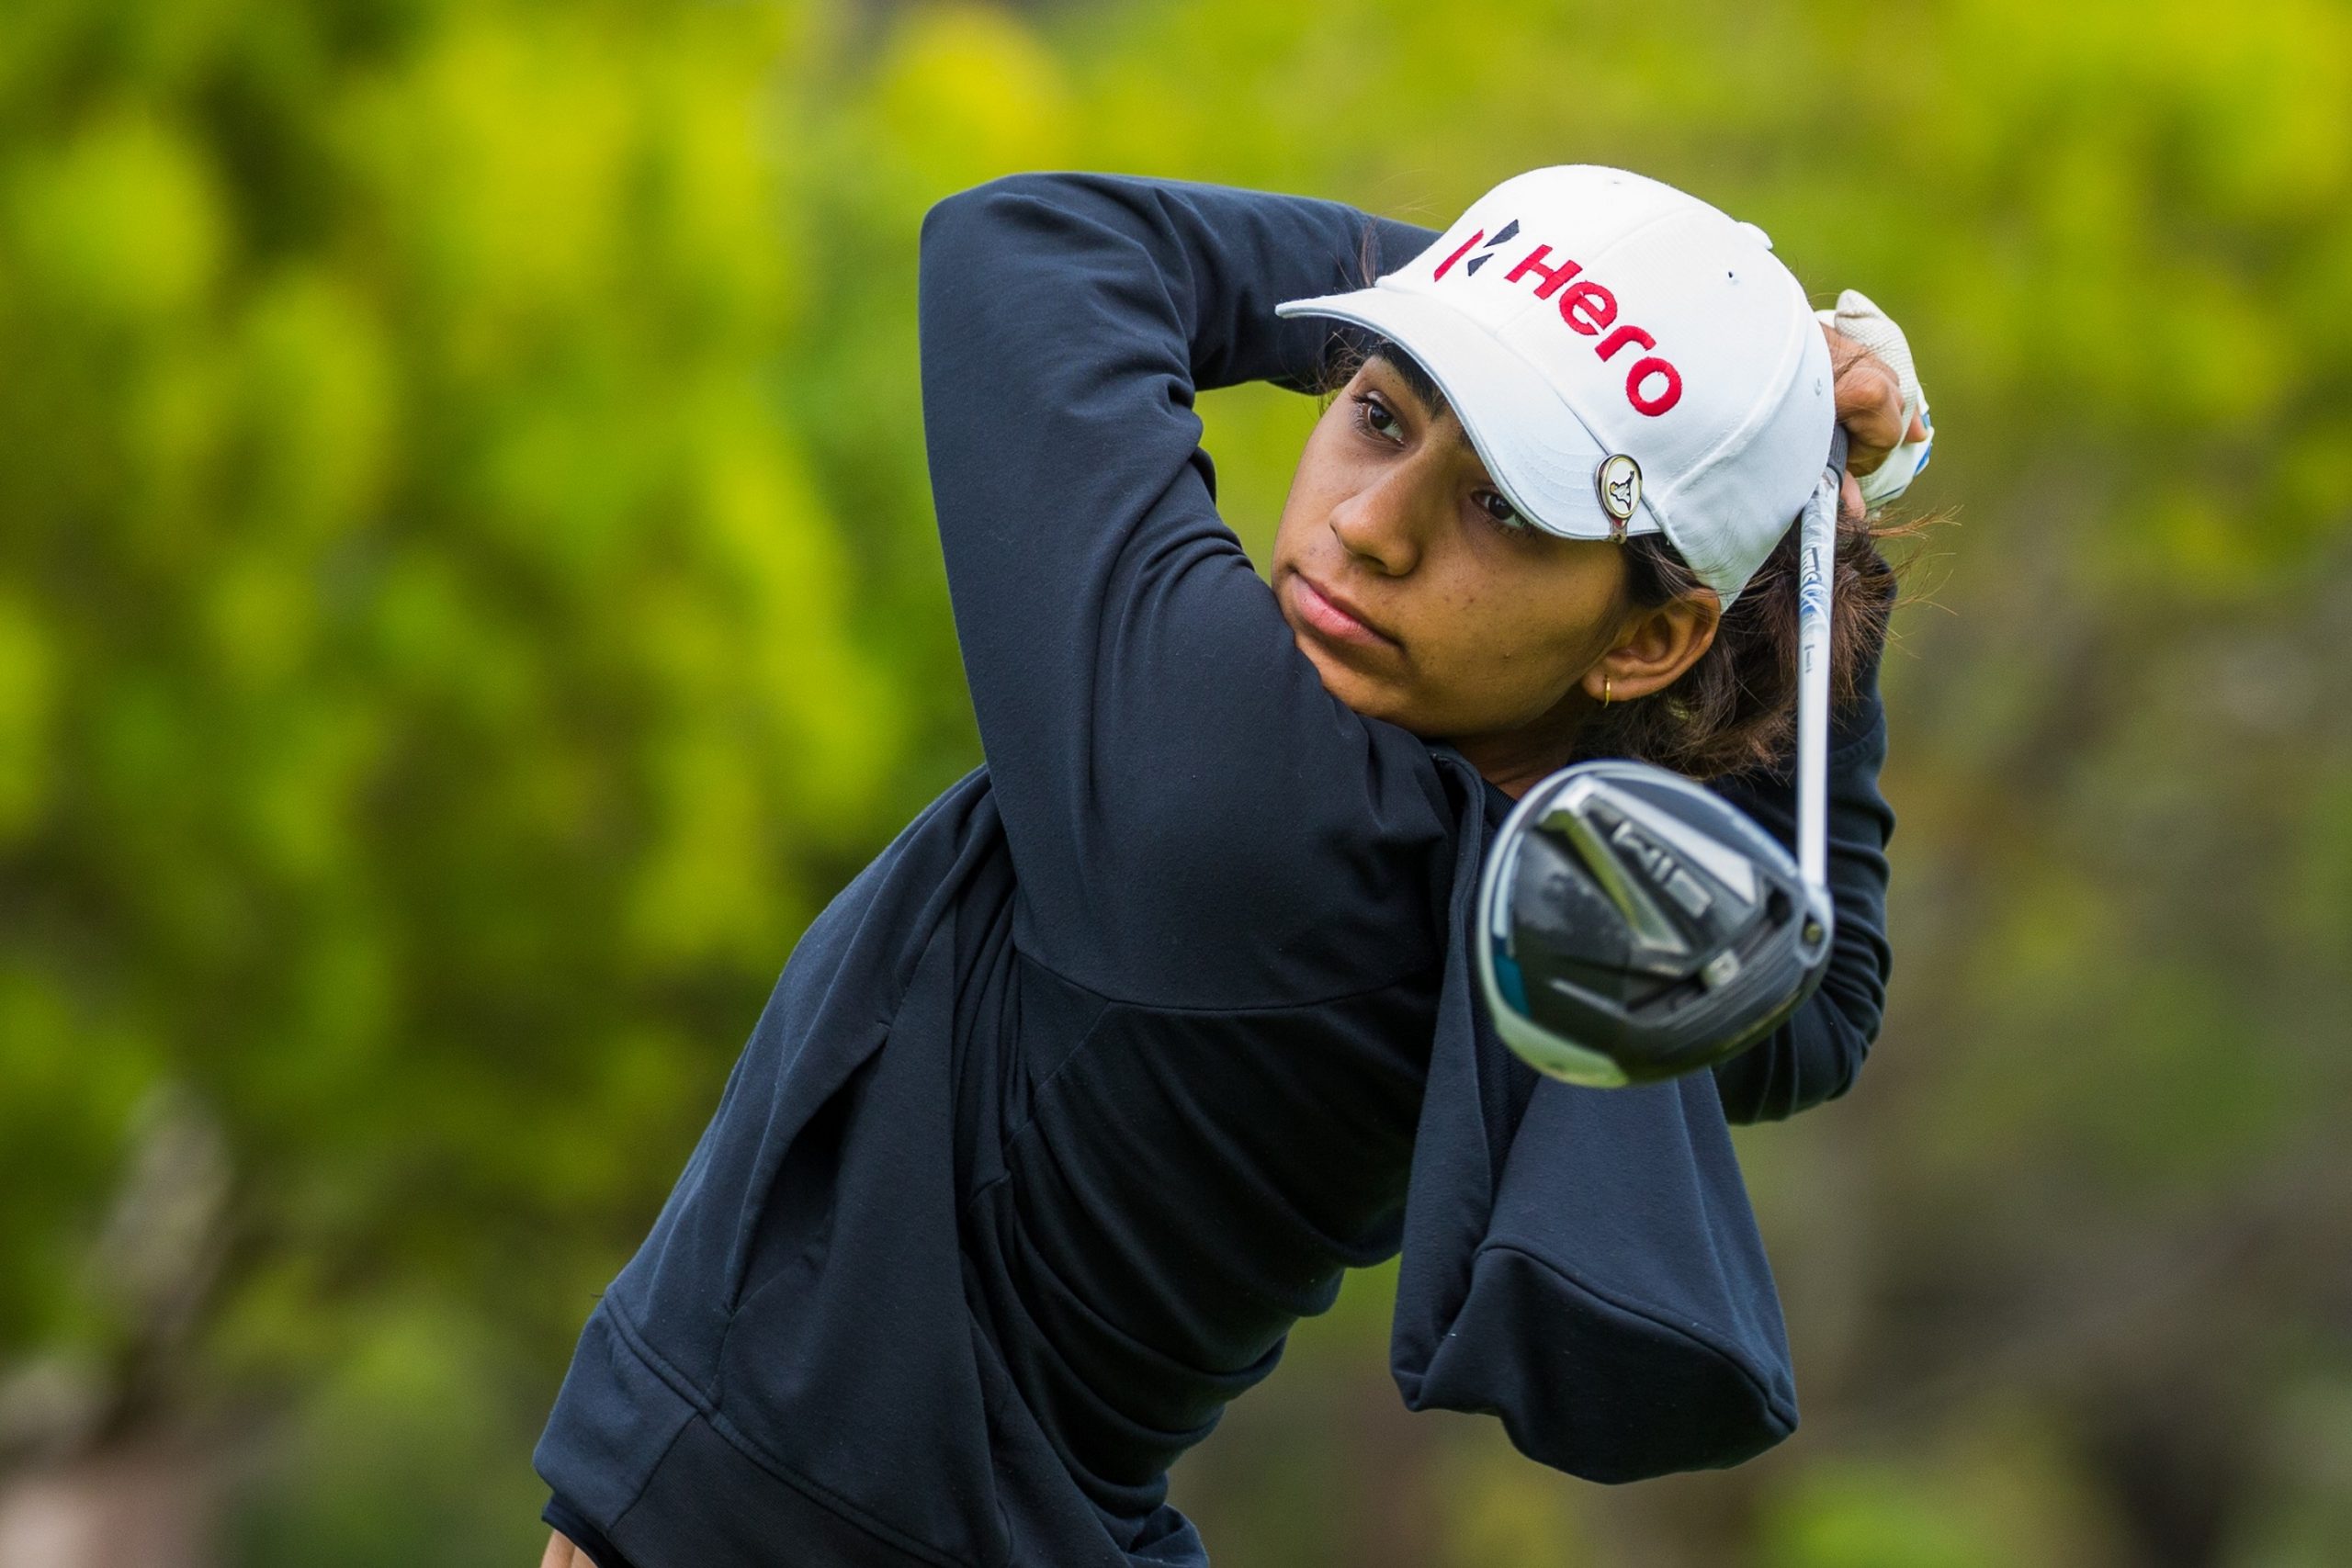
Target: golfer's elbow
(977,223)
(950,221)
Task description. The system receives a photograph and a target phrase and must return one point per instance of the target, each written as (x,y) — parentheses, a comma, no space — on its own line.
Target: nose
(1381,524)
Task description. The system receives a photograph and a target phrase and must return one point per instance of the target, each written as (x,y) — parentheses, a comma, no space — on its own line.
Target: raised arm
(1194,818)
(1816,1055)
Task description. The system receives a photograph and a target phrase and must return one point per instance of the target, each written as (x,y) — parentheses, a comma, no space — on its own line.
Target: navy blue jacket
(1102,1073)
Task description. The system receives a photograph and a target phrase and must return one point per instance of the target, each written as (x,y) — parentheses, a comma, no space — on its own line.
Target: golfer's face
(1420,596)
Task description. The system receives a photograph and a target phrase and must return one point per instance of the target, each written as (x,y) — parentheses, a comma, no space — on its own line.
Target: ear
(1655,647)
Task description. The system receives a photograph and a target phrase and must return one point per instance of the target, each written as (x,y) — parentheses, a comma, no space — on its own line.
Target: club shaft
(1817,566)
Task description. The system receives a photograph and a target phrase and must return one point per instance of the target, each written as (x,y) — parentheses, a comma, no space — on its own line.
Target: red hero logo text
(1652,383)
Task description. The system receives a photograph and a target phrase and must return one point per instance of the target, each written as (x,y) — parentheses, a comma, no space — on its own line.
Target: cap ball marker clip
(1619,481)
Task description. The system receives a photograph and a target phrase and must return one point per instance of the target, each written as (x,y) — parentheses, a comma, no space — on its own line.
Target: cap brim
(1539,452)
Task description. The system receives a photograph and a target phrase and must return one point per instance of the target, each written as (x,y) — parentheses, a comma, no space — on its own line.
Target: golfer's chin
(1368,694)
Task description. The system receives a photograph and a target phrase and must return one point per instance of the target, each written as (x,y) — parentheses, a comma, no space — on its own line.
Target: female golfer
(1097,1077)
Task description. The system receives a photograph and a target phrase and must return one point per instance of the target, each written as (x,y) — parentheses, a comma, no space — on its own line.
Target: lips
(1333,617)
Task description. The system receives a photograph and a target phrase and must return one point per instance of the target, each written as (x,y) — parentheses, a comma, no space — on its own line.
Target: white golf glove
(1863,322)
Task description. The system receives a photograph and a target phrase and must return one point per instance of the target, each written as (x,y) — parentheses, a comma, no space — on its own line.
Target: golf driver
(1634,926)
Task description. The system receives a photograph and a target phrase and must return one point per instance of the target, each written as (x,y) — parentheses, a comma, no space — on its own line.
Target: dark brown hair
(1735,708)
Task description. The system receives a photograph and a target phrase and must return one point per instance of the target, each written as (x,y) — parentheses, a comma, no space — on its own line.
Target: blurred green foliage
(467,598)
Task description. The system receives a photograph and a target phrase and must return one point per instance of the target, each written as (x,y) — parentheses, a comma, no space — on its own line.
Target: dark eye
(1505,515)
(1374,415)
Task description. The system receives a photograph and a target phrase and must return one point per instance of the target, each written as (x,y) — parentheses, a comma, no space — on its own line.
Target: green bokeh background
(468,597)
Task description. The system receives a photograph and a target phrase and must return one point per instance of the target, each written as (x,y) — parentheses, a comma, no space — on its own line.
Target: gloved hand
(1878,400)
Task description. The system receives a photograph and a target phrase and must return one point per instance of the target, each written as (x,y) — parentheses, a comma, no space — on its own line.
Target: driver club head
(1635,926)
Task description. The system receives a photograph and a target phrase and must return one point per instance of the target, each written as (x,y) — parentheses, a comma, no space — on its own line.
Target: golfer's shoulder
(1303,791)
(1230,935)
(1260,878)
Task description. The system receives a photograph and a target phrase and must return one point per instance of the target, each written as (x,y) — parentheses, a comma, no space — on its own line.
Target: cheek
(1504,645)
(1316,486)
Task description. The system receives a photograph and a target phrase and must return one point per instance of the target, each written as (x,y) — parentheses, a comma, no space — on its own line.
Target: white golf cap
(1625,358)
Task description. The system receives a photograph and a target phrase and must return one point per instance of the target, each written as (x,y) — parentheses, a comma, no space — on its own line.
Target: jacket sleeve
(1162,755)
(1816,1055)
(1582,1263)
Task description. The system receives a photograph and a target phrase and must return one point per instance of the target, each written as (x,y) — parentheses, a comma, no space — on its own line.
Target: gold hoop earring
(1606,681)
